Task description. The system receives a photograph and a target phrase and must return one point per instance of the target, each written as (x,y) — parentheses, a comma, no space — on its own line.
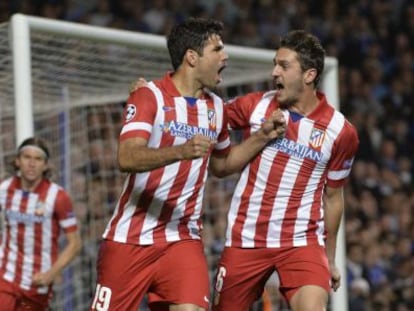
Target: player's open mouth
(221,69)
(219,73)
(278,86)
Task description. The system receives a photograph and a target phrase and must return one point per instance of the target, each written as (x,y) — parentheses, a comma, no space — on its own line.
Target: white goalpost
(66,82)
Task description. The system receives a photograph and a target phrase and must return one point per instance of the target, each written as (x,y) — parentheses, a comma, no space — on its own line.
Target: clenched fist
(275,125)
(198,146)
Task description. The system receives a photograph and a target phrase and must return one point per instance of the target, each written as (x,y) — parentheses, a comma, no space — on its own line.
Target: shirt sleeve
(223,144)
(139,114)
(239,110)
(343,156)
(64,212)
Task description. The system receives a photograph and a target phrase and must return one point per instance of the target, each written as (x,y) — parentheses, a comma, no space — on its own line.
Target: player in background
(288,203)
(34,211)
(173,130)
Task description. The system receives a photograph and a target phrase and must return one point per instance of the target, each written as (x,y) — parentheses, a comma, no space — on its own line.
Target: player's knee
(309,298)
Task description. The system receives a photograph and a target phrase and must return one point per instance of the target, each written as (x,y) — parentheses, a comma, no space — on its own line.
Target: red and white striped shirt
(165,204)
(278,198)
(31,228)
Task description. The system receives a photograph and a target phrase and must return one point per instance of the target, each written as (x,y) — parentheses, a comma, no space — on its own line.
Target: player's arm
(240,155)
(135,156)
(333,209)
(70,251)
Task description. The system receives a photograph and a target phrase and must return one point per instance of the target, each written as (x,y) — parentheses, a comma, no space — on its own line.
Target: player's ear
(310,75)
(191,56)
(17,162)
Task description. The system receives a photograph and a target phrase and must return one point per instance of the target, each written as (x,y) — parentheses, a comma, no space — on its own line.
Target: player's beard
(291,101)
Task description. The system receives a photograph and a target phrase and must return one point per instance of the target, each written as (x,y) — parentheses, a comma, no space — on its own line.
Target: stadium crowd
(373,41)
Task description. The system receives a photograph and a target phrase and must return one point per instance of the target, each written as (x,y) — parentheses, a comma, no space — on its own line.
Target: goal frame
(21,26)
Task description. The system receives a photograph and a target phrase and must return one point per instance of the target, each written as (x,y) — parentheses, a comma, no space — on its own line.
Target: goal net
(67,82)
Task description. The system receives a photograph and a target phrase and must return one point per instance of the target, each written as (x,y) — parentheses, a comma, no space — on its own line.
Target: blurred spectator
(359,295)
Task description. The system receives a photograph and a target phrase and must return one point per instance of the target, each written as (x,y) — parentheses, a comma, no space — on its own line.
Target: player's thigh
(124,274)
(182,277)
(240,279)
(303,266)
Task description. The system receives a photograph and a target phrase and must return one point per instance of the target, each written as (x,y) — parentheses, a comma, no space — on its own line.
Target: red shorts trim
(242,273)
(171,273)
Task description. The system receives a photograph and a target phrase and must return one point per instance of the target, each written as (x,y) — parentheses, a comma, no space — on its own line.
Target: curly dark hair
(191,34)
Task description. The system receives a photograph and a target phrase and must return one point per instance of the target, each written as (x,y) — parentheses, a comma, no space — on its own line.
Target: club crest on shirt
(130,112)
(211,115)
(316,138)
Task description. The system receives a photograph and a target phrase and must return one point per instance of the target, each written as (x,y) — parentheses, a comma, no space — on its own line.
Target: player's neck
(29,185)
(306,104)
(187,86)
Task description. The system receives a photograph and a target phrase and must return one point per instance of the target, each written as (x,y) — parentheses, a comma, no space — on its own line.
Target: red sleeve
(139,114)
(240,109)
(64,212)
(223,145)
(343,155)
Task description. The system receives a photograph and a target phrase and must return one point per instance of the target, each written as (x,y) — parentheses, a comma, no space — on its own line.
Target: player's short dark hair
(191,34)
(309,49)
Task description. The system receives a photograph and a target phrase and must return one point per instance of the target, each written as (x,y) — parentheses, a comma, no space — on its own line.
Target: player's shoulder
(212,96)
(347,129)
(55,187)
(350,128)
(7,180)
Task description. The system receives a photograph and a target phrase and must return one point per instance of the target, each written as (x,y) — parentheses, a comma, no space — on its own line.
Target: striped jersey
(165,204)
(31,224)
(278,198)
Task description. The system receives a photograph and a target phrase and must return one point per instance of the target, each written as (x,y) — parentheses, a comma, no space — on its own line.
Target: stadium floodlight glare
(54,73)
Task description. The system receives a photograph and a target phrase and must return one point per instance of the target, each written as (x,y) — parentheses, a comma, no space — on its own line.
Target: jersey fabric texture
(31,228)
(165,204)
(278,198)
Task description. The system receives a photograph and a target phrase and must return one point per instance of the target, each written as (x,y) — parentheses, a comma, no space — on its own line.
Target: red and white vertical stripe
(32,222)
(278,199)
(165,204)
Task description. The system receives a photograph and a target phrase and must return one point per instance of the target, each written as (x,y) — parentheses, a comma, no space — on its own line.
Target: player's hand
(275,125)
(198,146)
(141,82)
(335,277)
(43,278)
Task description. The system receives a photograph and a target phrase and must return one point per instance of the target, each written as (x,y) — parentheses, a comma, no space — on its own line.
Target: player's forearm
(333,214)
(146,159)
(239,156)
(70,251)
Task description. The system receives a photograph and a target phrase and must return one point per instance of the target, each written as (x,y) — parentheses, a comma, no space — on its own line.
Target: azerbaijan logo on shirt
(187,131)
